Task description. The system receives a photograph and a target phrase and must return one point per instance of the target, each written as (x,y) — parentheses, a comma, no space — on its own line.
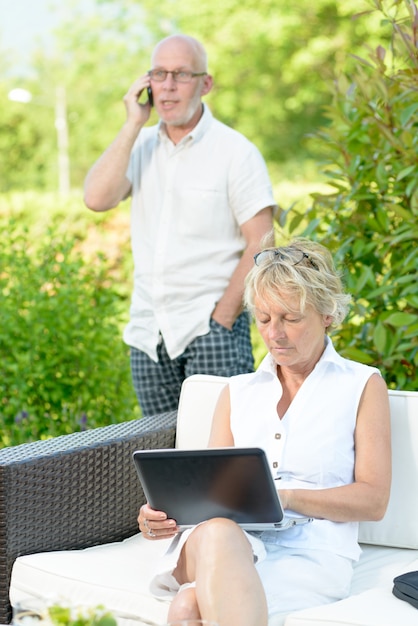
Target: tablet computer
(192,486)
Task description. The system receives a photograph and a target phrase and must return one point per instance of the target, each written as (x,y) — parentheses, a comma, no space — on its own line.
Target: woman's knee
(213,543)
(184,605)
(221,535)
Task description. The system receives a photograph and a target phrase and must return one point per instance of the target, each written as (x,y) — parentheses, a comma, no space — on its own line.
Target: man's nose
(169,82)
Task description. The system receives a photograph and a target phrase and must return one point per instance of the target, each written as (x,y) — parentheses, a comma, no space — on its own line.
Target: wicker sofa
(68,510)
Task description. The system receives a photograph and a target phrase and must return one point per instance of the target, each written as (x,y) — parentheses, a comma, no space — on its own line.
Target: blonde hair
(303,269)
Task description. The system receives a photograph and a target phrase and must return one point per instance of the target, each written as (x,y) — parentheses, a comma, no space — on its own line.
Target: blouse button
(277,436)
(275,465)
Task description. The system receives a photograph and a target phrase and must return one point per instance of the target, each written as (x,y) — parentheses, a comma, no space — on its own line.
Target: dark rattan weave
(73,491)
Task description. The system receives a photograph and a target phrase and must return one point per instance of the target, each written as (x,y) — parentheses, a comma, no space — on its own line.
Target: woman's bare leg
(218,556)
(184,606)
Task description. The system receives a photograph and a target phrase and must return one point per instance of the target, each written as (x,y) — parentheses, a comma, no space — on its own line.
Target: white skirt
(293,579)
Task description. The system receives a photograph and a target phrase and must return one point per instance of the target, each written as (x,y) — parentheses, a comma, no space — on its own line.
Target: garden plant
(369,219)
(63,364)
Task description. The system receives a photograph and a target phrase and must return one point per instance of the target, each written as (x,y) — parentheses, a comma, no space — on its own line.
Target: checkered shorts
(220,352)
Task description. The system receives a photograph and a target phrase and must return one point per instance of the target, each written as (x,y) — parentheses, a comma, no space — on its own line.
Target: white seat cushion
(118,575)
(114,575)
(379,565)
(376,607)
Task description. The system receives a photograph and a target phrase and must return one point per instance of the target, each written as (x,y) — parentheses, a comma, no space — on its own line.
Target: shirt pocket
(203,213)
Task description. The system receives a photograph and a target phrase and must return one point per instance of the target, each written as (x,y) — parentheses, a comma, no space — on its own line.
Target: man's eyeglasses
(179,76)
(292,255)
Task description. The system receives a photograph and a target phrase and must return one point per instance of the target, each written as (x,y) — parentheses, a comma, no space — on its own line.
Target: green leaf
(401,319)
(366,277)
(358,355)
(380,334)
(408,113)
(406,171)
(411,187)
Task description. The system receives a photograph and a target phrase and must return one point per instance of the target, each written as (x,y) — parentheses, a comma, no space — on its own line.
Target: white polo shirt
(188,203)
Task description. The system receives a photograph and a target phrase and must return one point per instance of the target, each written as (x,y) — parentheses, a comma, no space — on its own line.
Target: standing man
(201,203)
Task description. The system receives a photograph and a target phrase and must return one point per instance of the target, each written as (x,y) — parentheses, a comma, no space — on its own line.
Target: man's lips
(168,103)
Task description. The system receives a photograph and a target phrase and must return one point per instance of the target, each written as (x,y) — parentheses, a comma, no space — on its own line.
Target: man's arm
(106,183)
(230,305)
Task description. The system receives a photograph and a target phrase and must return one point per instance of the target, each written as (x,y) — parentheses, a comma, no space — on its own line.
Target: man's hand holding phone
(138,112)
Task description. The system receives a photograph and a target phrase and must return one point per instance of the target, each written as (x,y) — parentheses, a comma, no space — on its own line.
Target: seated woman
(324,423)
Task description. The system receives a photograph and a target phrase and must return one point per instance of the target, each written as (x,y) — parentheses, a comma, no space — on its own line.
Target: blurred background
(65,66)
(310,83)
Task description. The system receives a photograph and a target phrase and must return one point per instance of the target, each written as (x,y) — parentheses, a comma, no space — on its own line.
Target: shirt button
(277,436)
(275,465)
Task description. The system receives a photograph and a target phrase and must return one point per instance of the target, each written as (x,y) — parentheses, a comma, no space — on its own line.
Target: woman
(324,423)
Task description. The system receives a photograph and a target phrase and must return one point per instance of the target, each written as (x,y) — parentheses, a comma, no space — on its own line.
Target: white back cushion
(399,527)
(198,398)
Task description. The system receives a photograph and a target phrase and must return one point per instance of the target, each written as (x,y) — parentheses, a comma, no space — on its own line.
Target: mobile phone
(150,98)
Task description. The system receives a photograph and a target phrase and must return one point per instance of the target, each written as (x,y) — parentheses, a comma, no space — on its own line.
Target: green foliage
(33,611)
(270,62)
(370,219)
(63,366)
(95,59)
(66,616)
(26,147)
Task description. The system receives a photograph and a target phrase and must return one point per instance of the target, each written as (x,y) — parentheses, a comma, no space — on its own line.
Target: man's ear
(207,85)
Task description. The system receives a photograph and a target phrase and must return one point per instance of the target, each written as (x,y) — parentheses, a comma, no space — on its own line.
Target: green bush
(63,366)
(370,219)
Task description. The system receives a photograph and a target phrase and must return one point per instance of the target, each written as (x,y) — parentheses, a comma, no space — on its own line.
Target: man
(201,203)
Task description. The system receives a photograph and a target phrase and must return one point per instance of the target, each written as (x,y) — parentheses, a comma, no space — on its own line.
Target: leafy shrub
(370,219)
(63,366)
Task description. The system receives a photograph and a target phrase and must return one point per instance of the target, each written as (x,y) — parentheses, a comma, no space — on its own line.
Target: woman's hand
(154,524)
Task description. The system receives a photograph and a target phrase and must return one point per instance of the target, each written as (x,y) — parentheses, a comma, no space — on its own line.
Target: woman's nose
(277,330)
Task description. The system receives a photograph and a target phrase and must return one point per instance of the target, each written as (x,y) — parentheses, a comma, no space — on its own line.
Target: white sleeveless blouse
(312,446)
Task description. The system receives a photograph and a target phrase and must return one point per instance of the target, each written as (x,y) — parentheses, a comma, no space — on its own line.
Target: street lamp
(61,127)
(23,95)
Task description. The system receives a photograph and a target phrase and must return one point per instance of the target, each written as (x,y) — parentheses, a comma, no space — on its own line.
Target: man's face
(178,104)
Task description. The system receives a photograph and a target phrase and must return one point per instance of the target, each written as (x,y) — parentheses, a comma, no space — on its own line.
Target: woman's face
(294,340)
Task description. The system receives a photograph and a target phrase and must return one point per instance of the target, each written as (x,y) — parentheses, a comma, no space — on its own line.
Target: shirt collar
(196,132)
(330,355)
